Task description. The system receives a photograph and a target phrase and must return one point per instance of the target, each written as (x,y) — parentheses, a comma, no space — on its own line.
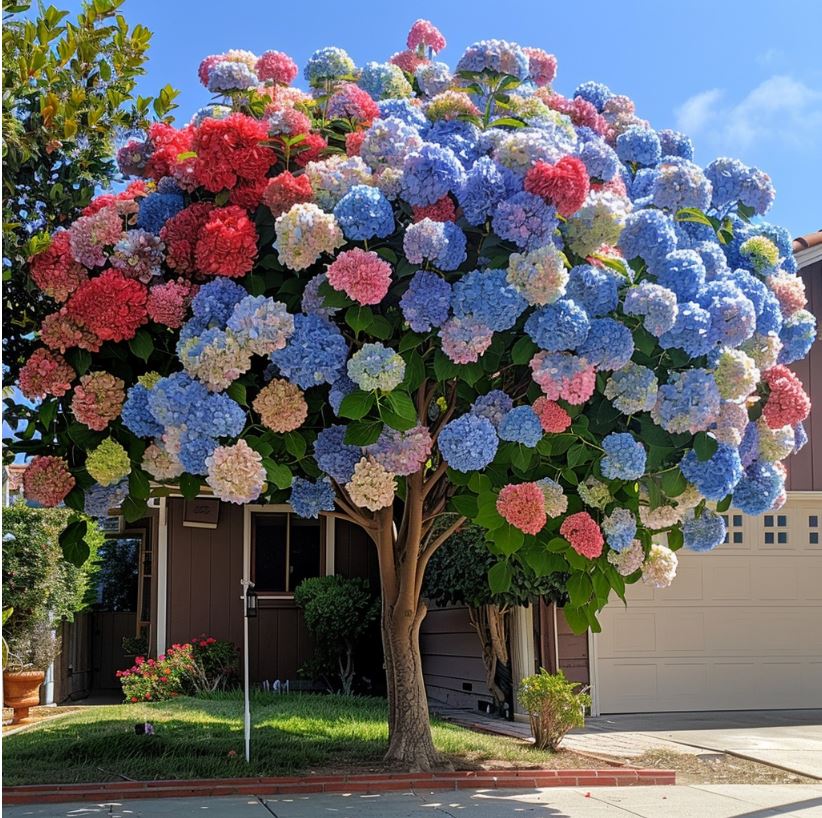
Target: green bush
(554,706)
(40,585)
(338,612)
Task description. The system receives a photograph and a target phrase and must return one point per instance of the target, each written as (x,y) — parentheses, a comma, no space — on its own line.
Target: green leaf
(295,444)
(142,345)
(138,484)
(414,370)
(259,445)
(222,198)
(542,561)
(395,421)
(673,483)
(410,340)
(675,539)
(507,538)
(134,510)
(401,404)
(693,214)
(363,432)
(359,318)
(238,392)
(465,504)
(576,455)
(72,542)
(724,504)
(705,446)
(508,122)
(278,473)
(523,350)
(356,405)
(576,619)
(489,518)
(579,589)
(380,327)
(47,413)
(189,486)
(444,367)
(499,577)
(602,587)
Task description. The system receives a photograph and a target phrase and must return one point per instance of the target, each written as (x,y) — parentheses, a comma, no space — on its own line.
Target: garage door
(740,628)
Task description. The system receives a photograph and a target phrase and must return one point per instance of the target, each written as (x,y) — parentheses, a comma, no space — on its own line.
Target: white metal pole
(246,697)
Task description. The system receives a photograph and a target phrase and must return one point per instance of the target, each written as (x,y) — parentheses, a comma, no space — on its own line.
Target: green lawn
(198,738)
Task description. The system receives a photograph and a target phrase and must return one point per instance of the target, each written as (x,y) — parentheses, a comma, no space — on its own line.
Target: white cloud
(781,110)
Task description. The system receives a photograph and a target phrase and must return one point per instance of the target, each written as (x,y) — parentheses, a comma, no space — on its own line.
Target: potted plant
(31,650)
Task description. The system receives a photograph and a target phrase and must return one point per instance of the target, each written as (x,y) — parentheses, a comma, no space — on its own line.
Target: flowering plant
(410,291)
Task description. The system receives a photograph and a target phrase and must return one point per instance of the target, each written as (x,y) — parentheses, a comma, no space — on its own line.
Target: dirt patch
(716,768)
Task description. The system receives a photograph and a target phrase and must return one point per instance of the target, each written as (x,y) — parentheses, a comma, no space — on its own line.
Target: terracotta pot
(21,690)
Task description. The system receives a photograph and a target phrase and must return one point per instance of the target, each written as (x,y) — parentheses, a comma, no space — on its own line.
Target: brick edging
(363,783)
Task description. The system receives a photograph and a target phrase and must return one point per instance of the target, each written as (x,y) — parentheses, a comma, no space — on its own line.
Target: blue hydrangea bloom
(656,303)
(758,489)
(404,110)
(619,528)
(624,457)
(715,477)
(468,443)
(336,458)
(433,78)
(609,344)
(526,220)
(733,181)
(136,416)
(733,318)
(460,136)
(594,92)
(215,301)
(231,76)
(494,405)
(558,326)
(800,437)
(495,55)
(194,449)
(674,143)
(690,234)
(442,243)
(640,145)
(642,185)
(679,184)
(426,302)
(226,418)
(521,425)
(487,296)
(339,389)
(600,160)
(689,402)
(156,209)
(716,265)
(749,445)
(429,173)
(683,272)
(648,234)
(364,213)
(328,63)
(704,533)
(690,332)
(314,354)
(594,289)
(171,399)
(769,321)
(388,143)
(309,499)
(383,80)
(797,336)
(99,500)
(486,185)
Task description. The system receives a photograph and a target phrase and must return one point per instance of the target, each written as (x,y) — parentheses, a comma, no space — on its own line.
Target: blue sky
(742,77)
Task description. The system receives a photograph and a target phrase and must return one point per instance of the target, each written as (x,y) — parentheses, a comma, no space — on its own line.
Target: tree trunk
(489,623)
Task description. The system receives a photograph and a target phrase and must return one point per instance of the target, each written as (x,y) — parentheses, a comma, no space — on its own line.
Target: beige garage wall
(740,628)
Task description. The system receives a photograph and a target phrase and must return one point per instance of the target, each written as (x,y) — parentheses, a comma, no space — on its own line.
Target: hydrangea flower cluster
(410,272)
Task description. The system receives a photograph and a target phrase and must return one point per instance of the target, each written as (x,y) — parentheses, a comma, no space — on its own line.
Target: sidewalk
(718,801)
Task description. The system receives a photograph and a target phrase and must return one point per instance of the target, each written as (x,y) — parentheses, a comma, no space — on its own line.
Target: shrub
(554,706)
(338,612)
(203,665)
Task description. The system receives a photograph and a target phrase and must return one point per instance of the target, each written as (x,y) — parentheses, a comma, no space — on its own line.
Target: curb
(370,783)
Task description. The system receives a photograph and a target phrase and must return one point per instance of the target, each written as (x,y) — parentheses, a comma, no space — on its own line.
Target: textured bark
(489,621)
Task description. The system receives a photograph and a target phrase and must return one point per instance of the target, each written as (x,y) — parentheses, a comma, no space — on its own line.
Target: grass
(203,738)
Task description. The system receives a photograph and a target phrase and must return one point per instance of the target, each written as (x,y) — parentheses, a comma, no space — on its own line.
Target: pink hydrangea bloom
(425,34)
(787,403)
(582,531)
(523,506)
(789,291)
(45,373)
(564,377)
(55,271)
(160,463)
(98,399)
(168,303)
(465,339)
(236,473)
(552,417)
(47,480)
(371,486)
(409,61)
(276,67)
(90,235)
(542,66)
(60,331)
(281,406)
(361,275)
(402,453)
(628,561)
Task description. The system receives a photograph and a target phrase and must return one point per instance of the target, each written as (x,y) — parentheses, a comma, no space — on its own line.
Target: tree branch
(432,481)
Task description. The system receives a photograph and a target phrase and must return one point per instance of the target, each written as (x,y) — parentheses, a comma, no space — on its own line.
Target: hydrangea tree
(410,297)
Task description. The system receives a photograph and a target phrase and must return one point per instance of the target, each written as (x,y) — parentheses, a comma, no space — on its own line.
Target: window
(776,521)
(285,550)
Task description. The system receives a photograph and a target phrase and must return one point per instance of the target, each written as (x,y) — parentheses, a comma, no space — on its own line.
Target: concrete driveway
(791,739)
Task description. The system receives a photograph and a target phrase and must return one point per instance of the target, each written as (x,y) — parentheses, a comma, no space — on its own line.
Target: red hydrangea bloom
(523,506)
(425,33)
(111,306)
(248,194)
(180,234)
(167,143)
(277,67)
(564,184)
(98,399)
(125,200)
(615,186)
(206,64)
(582,531)
(227,243)
(47,480)
(60,331)
(168,303)
(409,61)
(310,149)
(349,101)
(443,210)
(229,150)
(552,417)
(353,142)
(45,373)
(542,66)
(55,271)
(361,275)
(285,190)
(787,403)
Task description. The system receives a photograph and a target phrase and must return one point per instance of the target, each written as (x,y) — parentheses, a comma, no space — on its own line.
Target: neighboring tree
(339,612)
(67,94)
(39,584)
(490,284)
(458,575)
